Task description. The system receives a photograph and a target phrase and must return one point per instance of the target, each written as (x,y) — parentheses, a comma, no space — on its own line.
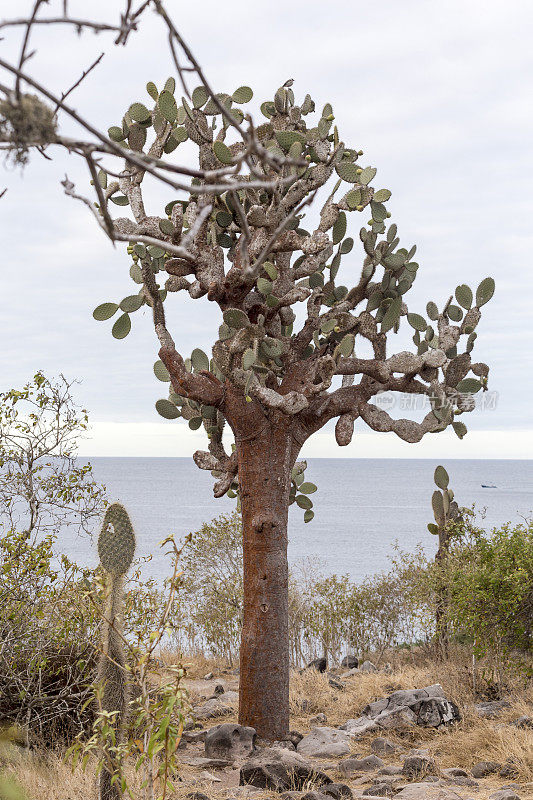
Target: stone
(426,791)
(196,796)
(324,742)
(455,772)
(428,707)
(367,666)
(335,683)
(390,769)
(366,764)
(320,664)
(206,762)
(209,676)
(504,794)
(484,768)
(491,709)
(286,743)
(218,690)
(509,770)
(350,661)
(320,719)
(230,741)
(295,737)
(349,673)
(384,746)
(379,790)
(280,769)
(336,790)
(523,722)
(193,737)
(212,708)
(416,766)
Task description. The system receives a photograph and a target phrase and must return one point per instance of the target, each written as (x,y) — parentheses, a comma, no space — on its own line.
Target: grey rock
(425,791)
(349,673)
(427,707)
(523,722)
(384,746)
(491,709)
(366,764)
(415,766)
(212,708)
(484,768)
(286,743)
(196,796)
(320,719)
(230,741)
(455,772)
(368,666)
(379,790)
(324,742)
(209,676)
(218,690)
(390,769)
(280,769)
(350,661)
(508,770)
(205,762)
(336,790)
(320,664)
(504,794)
(335,683)
(193,737)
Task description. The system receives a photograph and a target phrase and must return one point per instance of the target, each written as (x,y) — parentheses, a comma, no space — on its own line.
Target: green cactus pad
(116,542)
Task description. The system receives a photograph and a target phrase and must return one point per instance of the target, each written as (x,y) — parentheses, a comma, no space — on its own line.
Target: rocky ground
(412,733)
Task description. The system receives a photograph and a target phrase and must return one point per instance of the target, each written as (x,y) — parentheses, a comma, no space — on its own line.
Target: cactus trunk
(265,463)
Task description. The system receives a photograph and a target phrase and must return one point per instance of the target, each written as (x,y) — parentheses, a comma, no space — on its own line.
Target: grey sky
(437,94)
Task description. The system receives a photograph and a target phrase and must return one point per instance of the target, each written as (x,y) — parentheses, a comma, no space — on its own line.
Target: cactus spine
(116,546)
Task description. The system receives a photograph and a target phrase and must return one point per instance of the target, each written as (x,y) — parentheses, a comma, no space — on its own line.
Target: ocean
(362,506)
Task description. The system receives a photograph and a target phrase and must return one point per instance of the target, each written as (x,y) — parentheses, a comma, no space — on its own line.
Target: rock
(350,661)
(508,770)
(286,743)
(320,664)
(455,772)
(193,737)
(335,683)
(209,676)
(523,722)
(196,796)
(390,769)
(366,764)
(484,768)
(427,707)
(336,790)
(491,709)
(218,690)
(205,762)
(367,666)
(320,719)
(379,790)
(425,791)
(212,708)
(504,794)
(324,742)
(295,737)
(416,766)
(280,770)
(230,741)
(350,672)
(384,746)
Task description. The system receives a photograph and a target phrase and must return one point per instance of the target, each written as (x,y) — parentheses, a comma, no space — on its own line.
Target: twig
(75,85)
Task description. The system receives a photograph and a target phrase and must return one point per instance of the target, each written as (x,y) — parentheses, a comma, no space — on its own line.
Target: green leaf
(308,515)
(195,423)
(454,313)
(235,318)
(459,428)
(339,228)
(469,386)
(438,507)
(346,345)
(161,372)
(119,200)
(224,219)
(270,270)
(303,501)
(463,295)
(434,529)
(348,171)
(131,303)
(353,198)
(199,96)
(308,488)
(379,212)
(484,291)
(242,95)
(287,138)
(136,273)
(392,315)
(151,88)
(199,360)
(417,321)
(139,113)
(166,227)
(167,105)
(382,195)
(248,358)
(264,286)
(122,327)
(367,175)
(105,311)
(432,311)
(170,85)
(223,153)
(441,477)
(167,409)
(116,134)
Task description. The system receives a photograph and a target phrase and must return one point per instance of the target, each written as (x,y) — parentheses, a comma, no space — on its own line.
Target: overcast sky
(437,94)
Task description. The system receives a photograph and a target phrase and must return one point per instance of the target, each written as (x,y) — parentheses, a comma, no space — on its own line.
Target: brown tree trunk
(265,458)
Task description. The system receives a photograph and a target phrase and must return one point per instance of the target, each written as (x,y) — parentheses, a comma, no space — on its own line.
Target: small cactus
(116,546)
(445,509)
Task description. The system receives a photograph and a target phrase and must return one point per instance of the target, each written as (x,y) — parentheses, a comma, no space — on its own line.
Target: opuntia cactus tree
(445,511)
(116,547)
